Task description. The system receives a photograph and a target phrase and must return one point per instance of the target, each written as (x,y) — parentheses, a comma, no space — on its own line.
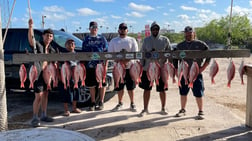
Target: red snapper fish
(83,74)
(165,74)
(242,71)
(49,75)
(65,74)
(78,73)
(101,70)
(135,71)
(230,73)
(180,73)
(22,75)
(193,74)
(118,73)
(185,71)
(172,71)
(214,69)
(153,73)
(33,74)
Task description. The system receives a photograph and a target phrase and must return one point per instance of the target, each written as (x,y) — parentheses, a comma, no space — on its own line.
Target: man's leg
(92,93)
(162,96)
(146,99)
(183,101)
(36,105)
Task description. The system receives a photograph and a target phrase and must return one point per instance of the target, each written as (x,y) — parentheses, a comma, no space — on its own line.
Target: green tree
(216,31)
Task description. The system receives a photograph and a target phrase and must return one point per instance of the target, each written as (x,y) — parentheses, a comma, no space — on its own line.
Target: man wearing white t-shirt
(124,43)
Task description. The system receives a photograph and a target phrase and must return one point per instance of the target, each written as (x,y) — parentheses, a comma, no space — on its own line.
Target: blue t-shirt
(94,44)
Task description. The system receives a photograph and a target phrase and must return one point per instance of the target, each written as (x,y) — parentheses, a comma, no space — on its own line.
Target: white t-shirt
(127,43)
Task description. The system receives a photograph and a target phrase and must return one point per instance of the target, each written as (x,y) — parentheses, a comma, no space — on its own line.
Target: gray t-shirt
(151,43)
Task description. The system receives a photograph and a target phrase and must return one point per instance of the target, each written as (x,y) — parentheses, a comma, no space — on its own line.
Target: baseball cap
(93,24)
(188,29)
(155,25)
(123,25)
(48,31)
(68,40)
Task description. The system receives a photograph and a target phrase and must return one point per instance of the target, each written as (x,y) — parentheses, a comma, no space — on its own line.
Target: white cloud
(183,17)
(186,8)
(53,8)
(135,14)
(141,8)
(115,17)
(250,3)
(165,14)
(87,12)
(204,1)
(239,10)
(103,0)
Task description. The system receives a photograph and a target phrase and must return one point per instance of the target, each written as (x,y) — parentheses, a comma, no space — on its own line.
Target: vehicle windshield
(61,37)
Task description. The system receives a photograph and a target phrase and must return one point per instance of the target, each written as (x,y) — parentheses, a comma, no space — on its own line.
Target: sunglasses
(123,28)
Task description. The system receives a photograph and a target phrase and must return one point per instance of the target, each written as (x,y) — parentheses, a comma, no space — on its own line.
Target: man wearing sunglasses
(155,42)
(124,43)
(94,42)
(191,43)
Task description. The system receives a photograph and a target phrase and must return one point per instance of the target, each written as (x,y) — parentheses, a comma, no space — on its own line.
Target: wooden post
(248,70)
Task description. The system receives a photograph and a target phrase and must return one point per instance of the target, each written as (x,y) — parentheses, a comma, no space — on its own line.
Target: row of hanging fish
(154,72)
(214,69)
(52,75)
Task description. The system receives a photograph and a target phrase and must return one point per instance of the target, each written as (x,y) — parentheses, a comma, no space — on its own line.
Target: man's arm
(30,36)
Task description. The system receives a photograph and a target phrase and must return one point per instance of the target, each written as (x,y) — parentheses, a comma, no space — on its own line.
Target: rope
(6,30)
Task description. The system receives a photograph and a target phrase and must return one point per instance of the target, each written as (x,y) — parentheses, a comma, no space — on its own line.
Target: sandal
(77,110)
(66,114)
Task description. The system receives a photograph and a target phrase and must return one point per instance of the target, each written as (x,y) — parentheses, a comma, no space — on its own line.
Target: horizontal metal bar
(84,56)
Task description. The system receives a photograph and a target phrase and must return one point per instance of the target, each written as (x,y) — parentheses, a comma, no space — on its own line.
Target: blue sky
(75,15)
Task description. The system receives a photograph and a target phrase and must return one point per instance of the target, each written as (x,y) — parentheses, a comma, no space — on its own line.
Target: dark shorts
(69,94)
(90,80)
(198,87)
(40,85)
(130,84)
(145,84)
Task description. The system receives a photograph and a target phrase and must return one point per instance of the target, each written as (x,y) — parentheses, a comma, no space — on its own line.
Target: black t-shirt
(193,45)
(40,48)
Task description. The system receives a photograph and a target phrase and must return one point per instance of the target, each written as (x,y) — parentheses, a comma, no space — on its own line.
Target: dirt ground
(234,98)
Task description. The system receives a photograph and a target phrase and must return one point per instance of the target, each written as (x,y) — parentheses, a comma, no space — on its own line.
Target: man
(70,92)
(124,43)
(155,42)
(40,87)
(191,43)
(94,43)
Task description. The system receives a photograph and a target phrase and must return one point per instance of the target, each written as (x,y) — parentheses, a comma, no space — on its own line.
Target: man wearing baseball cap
(190,43)
(124,43)
(94,42)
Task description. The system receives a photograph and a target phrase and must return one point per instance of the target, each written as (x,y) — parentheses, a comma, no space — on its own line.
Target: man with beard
(124,43)
(190,43)
(155,42)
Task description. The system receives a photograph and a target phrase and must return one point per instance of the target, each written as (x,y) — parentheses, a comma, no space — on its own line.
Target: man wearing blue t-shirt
(94,43)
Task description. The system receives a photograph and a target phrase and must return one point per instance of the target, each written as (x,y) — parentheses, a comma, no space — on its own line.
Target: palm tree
(3,107)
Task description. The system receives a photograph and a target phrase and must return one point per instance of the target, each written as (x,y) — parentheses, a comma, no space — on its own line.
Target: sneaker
(92,107)
(200,115)
(133,107)
(117,107)
(143,113)
(181,112)
(101,106)
(46,119)
(35,122)
(163,112)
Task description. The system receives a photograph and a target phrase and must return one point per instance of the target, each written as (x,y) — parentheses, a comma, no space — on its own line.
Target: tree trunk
(3,104)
